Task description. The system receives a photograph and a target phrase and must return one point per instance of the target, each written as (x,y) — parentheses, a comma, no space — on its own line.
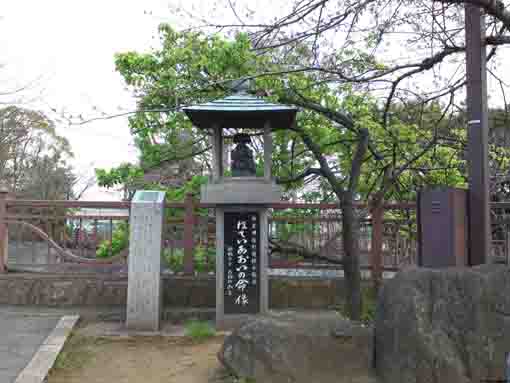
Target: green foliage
(123,174)
(120,241)
(369,304)
(127,175)
(190,187)
(174,259)
(199,330)
(192,67)
(398,141)
(204,259)
(178,74)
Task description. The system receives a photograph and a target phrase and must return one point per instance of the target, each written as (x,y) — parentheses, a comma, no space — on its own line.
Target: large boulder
(450,325)
(300,348)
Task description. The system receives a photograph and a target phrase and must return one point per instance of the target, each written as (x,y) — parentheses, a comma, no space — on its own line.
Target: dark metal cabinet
(442,227)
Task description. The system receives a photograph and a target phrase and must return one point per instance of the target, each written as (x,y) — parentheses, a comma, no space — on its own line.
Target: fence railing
(66,235)
(63,235)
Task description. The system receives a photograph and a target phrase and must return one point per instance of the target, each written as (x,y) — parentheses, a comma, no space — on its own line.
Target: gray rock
(450,325)
(304,347)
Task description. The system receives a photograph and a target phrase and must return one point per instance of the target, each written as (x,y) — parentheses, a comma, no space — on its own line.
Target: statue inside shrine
(243,164)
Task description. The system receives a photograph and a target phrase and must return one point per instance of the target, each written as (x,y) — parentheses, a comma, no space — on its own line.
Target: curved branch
(338,117)
(299,177)
(424,65)
(301,251)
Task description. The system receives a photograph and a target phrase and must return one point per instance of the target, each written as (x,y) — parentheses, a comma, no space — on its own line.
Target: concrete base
(98,292)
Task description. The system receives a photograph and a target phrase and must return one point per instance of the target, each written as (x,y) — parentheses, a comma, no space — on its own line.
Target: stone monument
(144,262)
(241,200)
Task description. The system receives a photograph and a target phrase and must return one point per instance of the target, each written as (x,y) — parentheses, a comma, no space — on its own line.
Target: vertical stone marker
(144,262)
(241,265)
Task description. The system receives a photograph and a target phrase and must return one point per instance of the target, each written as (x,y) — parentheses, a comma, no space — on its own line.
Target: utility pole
(478,135)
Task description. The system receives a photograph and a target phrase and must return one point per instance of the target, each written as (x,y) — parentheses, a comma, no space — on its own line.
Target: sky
(63,52)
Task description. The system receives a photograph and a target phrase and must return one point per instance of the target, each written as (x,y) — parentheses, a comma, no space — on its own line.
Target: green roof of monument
(241,110)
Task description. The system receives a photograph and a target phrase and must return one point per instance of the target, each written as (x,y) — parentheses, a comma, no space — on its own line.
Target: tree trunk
(350,224)
(352,273)
(376,256)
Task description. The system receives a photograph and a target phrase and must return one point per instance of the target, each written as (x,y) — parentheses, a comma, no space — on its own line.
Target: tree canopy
(366,130)
(192,67)
(34,159)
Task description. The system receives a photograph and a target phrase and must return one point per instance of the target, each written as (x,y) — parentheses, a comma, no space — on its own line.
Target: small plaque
(241,263)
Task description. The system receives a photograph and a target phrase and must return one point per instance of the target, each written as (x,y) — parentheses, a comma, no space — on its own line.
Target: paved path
(21,334)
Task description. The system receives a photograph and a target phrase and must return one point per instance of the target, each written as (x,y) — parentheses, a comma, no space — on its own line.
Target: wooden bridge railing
(192,225)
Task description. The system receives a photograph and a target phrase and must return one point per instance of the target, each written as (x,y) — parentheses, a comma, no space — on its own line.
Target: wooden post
(4,238)
(189,220)
(268,149)
(478,128)
(376,250)
(217,144)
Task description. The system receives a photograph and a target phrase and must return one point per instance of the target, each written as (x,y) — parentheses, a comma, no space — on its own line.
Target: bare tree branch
(308,172)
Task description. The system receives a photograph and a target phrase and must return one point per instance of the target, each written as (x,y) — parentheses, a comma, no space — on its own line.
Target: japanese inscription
(241,264)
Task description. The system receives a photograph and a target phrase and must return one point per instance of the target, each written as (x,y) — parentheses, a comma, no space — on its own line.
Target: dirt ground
(138,360)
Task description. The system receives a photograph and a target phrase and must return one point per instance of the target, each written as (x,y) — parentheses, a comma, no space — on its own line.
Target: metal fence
(63,235)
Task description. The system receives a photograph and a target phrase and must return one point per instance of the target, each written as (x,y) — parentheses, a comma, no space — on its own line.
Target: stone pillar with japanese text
(241,264)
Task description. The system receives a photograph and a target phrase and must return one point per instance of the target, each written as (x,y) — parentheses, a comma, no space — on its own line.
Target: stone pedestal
(241,191)
(144,275)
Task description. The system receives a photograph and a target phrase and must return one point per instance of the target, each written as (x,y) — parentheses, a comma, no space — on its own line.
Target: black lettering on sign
(241,285)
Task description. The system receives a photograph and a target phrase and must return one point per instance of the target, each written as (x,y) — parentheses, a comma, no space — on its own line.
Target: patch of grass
(77,350)
(224,376)
(233,379)
(369,301)
(199,330)
(369,305)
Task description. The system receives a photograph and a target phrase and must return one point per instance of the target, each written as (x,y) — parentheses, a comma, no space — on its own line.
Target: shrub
(369,305)
(120,241)
(174,259)
(369,301)
(204,259)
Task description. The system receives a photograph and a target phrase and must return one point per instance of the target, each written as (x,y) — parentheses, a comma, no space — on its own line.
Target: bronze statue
(243,164)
